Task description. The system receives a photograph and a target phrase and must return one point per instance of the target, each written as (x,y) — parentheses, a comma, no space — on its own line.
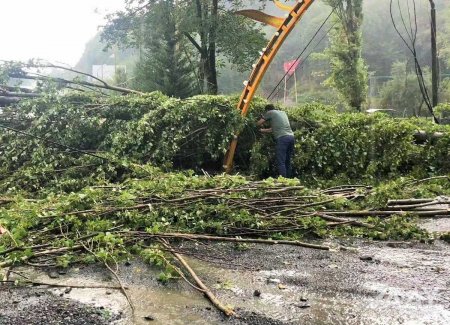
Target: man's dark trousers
(284,152)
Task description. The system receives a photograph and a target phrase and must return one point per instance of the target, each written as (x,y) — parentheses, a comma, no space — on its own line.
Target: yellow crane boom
(284,27)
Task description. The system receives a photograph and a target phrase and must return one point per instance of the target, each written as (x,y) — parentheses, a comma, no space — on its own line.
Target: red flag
(290,66)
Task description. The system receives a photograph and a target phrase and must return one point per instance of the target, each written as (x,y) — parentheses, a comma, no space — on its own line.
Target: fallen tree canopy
(194,134)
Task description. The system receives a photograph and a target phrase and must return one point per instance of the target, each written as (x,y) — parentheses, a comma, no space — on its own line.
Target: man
(281,129)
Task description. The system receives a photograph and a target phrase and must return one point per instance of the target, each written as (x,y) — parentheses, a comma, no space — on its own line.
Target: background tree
(163,64)
(380,49)
(120,77)
(209,27)
(402,93)
(443,36)
(349,72)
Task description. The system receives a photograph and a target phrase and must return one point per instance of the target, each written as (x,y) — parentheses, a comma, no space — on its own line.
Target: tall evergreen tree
(163,64)
(349,72)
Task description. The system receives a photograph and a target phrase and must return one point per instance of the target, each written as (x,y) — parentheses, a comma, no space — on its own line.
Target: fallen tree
(87,176)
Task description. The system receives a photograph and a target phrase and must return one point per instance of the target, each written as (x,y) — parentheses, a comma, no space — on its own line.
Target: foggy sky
(54,30)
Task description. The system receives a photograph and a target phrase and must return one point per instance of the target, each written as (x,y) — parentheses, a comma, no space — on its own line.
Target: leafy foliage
(107,217)
(203,31)
(194,133)
(349,72)
(57,195)
(349,147)
(402,93)
(152,127)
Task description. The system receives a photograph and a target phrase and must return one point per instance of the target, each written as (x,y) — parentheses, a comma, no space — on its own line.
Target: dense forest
(391,82)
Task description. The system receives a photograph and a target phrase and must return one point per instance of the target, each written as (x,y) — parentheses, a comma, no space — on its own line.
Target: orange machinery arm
(268,53)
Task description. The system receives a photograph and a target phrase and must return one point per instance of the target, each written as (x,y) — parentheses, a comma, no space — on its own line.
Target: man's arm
(266,130)
(260,122)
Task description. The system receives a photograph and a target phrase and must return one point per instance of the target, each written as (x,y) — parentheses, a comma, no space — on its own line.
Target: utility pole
(434,57)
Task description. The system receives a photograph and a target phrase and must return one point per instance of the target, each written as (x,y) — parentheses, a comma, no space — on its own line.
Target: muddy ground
(368,283)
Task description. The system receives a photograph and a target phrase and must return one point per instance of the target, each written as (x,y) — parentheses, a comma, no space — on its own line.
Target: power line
(303,51)
(412,48)
(309,54)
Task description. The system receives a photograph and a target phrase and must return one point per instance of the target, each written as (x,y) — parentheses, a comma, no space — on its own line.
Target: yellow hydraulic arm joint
(284,27)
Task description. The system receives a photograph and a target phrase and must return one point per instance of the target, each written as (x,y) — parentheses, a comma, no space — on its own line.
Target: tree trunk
(211,55)
(354,49)
(207,30)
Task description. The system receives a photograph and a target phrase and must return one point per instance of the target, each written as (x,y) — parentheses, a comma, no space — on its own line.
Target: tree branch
(193,41)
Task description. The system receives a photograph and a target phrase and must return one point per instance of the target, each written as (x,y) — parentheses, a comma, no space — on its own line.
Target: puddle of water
(168,307)
(164,305)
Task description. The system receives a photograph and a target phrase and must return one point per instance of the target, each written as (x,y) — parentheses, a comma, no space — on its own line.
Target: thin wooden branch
(115,275)
(443,212)
(307,205)
(22,248)
(83,83)
(343,221)
(227,311)
(16,88)
(5,100)
(238,240)
(10,262)
(415,206)
(5,201)
(193,41)
(19,95)
(415,182)
(408,201)
(63,285)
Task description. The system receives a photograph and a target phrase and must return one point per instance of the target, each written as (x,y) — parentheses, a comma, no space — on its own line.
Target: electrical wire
(306,58)
(412,48)
(303,51)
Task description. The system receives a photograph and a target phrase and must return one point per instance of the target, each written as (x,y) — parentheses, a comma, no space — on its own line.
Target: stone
(273,280)
(304,305)
(53,275)
(366,258)
(257,293)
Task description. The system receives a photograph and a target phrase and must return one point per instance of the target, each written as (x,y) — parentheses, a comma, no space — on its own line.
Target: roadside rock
(53,275)
(366,258)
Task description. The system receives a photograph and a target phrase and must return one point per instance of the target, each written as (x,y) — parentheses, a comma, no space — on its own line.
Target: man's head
(269,107)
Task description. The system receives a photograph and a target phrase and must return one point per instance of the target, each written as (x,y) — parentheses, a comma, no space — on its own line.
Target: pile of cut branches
(180,205)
